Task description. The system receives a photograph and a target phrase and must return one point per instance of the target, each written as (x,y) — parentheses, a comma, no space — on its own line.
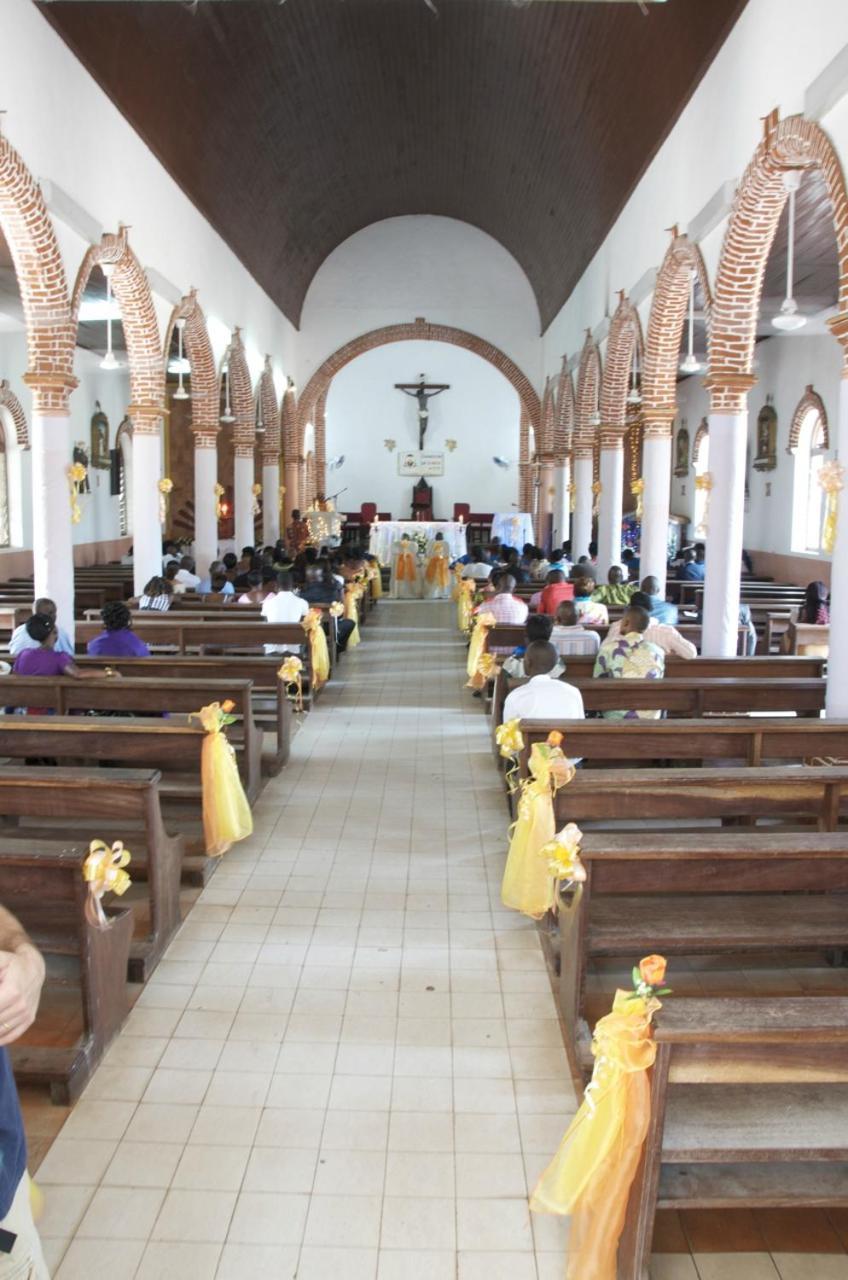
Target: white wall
(784,367)
(480,412)
(444,270)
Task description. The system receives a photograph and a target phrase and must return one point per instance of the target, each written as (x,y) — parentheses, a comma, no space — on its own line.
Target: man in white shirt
(543,698)
(661,634)
(21,639)
(284,606)
(476,567)
(185,575)
(569,638)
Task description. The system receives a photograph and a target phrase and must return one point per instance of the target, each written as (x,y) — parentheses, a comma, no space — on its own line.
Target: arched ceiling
(291,126)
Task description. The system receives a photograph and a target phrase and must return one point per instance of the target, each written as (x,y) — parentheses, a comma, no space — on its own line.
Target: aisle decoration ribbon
(438,571)
(226,812)
(76,476)
(291,673)
(637,488)
(510,742)
(528,885)
(832,481)
(705,484)
(465,593)
(597,490)
(166,488)
(375,577)
(405,570)
(318,651)
(592,1172)
(103,871)
(352,595)
(477,647)
(257,493)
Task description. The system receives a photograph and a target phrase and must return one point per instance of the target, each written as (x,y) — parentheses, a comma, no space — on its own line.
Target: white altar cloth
(513,528)
(385,532)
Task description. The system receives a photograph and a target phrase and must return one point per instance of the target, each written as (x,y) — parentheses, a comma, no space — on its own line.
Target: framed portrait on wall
(99,439)
(681,452)
(766,455)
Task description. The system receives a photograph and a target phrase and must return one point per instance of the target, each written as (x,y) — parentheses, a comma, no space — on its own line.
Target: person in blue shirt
(21,639)
(660,610)
(695,570)
(205,586)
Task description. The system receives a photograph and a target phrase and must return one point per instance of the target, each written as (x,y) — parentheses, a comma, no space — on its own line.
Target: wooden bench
(748,1109)
(114,804)
(702,893)
(86,968)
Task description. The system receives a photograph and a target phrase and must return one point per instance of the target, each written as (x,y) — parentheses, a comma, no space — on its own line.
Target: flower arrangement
(336,609)
(103,871)
(510,742)
(648,978)
(421,540)
(563,854)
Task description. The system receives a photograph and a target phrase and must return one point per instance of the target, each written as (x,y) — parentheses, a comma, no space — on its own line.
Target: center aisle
(348,1064)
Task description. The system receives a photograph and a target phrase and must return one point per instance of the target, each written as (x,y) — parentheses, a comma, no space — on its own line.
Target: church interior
(423,758)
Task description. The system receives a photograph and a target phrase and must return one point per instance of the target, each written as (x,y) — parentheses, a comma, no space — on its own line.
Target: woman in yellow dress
(437,572)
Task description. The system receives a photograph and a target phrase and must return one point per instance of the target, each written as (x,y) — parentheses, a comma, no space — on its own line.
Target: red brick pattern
(204,376)
(809,400)
(10,402)
(669,310)
(623,343)
(564,426)
(270,443)
(241,398)
(320,424)
(587,400)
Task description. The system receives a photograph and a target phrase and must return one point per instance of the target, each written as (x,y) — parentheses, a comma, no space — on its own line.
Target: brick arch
(665,329)
(702,434)
(10,402)
(320,381)
(564,426)
(289,419)
(205,405)
(241,398)
(624,340)
(141,328)
(809,400)
(794,143)
(266,394)
(547,422)
(42,283)
(587,399)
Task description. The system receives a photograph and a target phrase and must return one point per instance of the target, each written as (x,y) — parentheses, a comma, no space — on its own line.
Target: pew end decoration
(528,884)
(591,1175)
(562,855)
(166,488)
(104,872)
(832,482)
(510,742)
(291,673)
(352,596)
(318,651)
(375,579)
(477,649)
(226,812)
(464,596)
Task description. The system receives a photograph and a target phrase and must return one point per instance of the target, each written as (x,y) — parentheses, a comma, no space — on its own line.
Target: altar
(386,532)
(514,528)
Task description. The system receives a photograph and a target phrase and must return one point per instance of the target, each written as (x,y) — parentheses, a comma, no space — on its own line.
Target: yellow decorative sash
(438,571)
(479,640)
(465,592)
(351,606)
(375,577)
(593,1170)
(103,872)
(405,570)
(528,884)
(318,651)
(226,813)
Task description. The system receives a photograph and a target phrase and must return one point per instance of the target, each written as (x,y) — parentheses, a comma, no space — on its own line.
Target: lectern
(422,500)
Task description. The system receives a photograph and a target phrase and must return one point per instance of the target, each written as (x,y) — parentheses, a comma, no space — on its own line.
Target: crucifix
(423,392)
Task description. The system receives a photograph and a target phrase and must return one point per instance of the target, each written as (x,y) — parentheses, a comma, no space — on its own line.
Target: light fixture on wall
(501,462)
(335,463)
(788,319)
(180,393)
(108,361)
(227,416)
(260,417)
(635,395)
(690,363)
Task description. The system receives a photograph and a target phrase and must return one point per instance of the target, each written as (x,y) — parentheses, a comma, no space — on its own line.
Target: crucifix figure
(423,392)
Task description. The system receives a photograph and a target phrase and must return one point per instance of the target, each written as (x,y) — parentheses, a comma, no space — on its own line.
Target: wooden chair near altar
(422,500)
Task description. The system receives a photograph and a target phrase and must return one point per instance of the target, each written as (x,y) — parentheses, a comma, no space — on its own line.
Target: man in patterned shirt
(629,656)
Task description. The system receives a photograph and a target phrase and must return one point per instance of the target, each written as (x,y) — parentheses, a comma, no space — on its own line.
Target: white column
(581,525)
(270,500)
(837,664)
(243,497)
(205,503)
(562,514)
(656,502)
(147,528)
(720,628)
(611,507)
(52,542)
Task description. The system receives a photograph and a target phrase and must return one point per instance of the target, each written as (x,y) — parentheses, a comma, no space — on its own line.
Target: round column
(581,525)
(244,531)
(656,502)
(270,498)
(562,504)
(837,664)
(205,500)
(146,474)
(612,502)
(52,541)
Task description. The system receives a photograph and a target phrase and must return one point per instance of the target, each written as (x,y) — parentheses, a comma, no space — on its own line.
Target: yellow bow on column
(832,481)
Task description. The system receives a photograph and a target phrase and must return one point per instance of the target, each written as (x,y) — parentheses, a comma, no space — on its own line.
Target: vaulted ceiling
(291,126)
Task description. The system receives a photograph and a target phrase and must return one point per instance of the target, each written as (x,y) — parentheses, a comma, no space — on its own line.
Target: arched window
(5,539)
(701,463)
(810,431)
(124,446)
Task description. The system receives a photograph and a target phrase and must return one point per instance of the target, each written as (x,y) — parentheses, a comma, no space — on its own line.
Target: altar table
(385,532)
(514,528)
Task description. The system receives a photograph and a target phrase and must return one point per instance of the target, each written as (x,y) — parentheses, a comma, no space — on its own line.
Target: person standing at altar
(405,584)
(436,585)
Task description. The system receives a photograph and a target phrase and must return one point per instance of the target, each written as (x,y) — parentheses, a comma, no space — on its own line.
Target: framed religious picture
(99,439)
(681,452)
(766,455)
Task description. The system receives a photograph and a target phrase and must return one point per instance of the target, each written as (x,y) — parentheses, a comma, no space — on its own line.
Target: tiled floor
(348,1065)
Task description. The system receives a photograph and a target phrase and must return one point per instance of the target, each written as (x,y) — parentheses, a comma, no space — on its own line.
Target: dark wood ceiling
(291,126)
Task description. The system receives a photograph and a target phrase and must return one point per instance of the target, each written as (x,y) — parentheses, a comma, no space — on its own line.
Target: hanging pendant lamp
(227,416)
(180,393)
(788,319)
(108,361)
(691,363)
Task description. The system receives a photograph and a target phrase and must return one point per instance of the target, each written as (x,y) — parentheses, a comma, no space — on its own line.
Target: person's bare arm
(21,979)
(90,673)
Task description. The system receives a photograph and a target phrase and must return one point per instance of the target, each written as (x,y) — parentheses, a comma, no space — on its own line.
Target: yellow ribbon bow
(832,481)
(103,872)
(166,488)
(528,885)
(318,651)
(336,609)
(510,741)
(291,673)
(479,640)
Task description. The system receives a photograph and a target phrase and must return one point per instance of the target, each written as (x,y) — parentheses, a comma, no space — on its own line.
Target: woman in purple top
(46,660)
(117,639)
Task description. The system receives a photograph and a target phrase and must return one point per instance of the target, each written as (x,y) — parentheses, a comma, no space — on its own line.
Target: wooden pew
(114,804)
(703,893)
(45,889)
(747,1110)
